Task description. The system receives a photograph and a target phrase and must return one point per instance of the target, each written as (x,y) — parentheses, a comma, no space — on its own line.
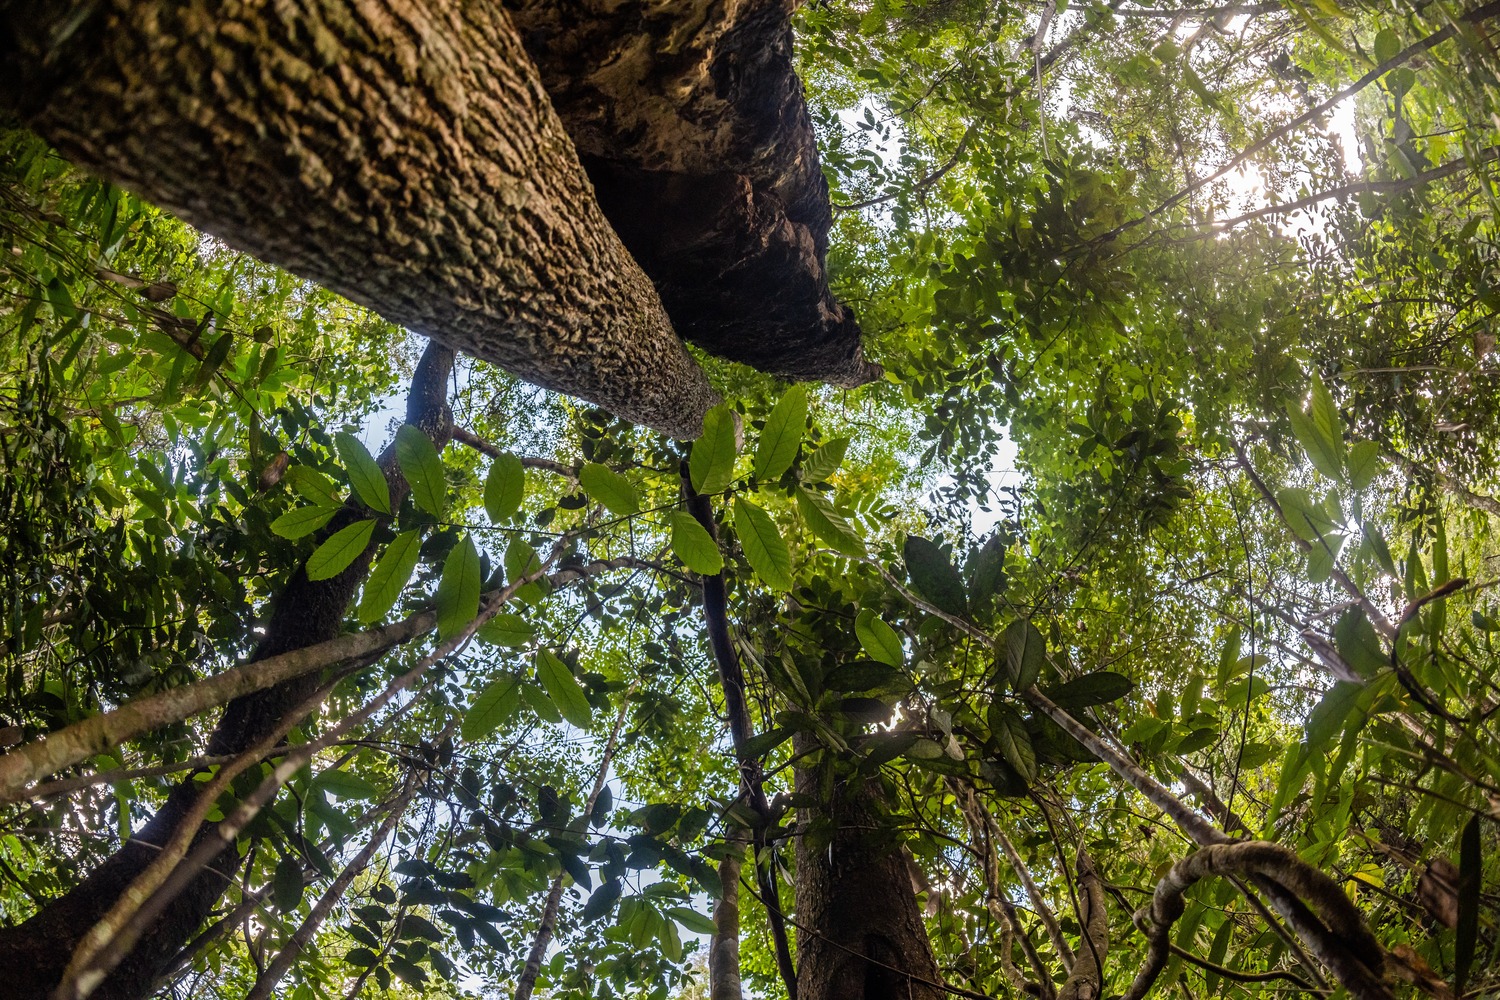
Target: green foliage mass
(1248,541)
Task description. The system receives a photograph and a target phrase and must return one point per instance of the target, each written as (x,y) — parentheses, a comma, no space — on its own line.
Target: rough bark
(724,981)
(860,934)
(692,124)
(306,612)
(401,153)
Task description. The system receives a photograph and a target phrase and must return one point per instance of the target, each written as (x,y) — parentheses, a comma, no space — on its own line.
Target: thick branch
(431,182)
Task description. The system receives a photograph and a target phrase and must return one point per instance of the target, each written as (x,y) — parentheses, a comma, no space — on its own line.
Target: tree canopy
(1133,634)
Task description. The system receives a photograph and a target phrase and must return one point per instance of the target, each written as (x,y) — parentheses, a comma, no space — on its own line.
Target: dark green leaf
(878,638)
(287,885)
(827,524)
(506,629)
(389,576)
(934,577)
(825,461)
(1092,689)
(1024,654)
(302,521)
(1011,739)
(1470,872)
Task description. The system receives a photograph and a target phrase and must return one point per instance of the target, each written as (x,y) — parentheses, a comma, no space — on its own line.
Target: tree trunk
(401,153)
(860,934)
(35,952)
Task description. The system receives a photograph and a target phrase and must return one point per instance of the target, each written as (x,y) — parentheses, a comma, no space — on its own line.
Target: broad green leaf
(1319,430)
(879,639)
(506,629)
(458,589)
(423,469)
(1025,652)
(504,487)
(313,486)
(1197,740)
(711,462)
(563,688)
(1092,689)
(364,474)
(986,570)
(496,705)
(521,561)
(694,545)
(827,524)
(609,488)
(764,547)
(287,885)
(345,785)
(1364,463)
(934,577)
(1326,720)
(782,437)
(763,743)
(867,676)
(388,578)
(339,550)
(1387,45)
(692,920)
(1008,731)
(1358,644)
(302,521)
(825,461)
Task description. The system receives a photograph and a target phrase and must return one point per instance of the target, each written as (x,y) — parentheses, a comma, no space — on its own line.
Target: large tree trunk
(35,953)
(860,933)
(692,124)
(402,153)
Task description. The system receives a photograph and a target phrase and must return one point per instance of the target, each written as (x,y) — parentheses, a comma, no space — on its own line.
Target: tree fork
(403,154)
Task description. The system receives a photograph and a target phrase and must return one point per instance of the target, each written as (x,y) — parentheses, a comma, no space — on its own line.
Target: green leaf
(504,487)
(763,743)
(345,785)
(458,589)
(1319,430)
(339,550)
(934,577)
(1025,652)
(782,436)
(764,547)
(302,521)
(867,676)
(1387,46)
(711,462)
(609,488)
(496,704)
(1197,740)
(423,469)
(1358,644)
(364,474)
(563,688)
(694,545)
(1364,463)
(879,639)
(506,629)
(692,920)
(313,486)
(987,570)
(1092,689)
(1326,720)
(601,901)
(287,885)
(827,524)
(1470,871)
(1008,730)
(389,576)
(825,461)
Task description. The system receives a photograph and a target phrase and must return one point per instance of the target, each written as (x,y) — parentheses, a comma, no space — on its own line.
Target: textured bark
(306,612)
(860,934)
(402,153)
(724,982)
(692,124)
